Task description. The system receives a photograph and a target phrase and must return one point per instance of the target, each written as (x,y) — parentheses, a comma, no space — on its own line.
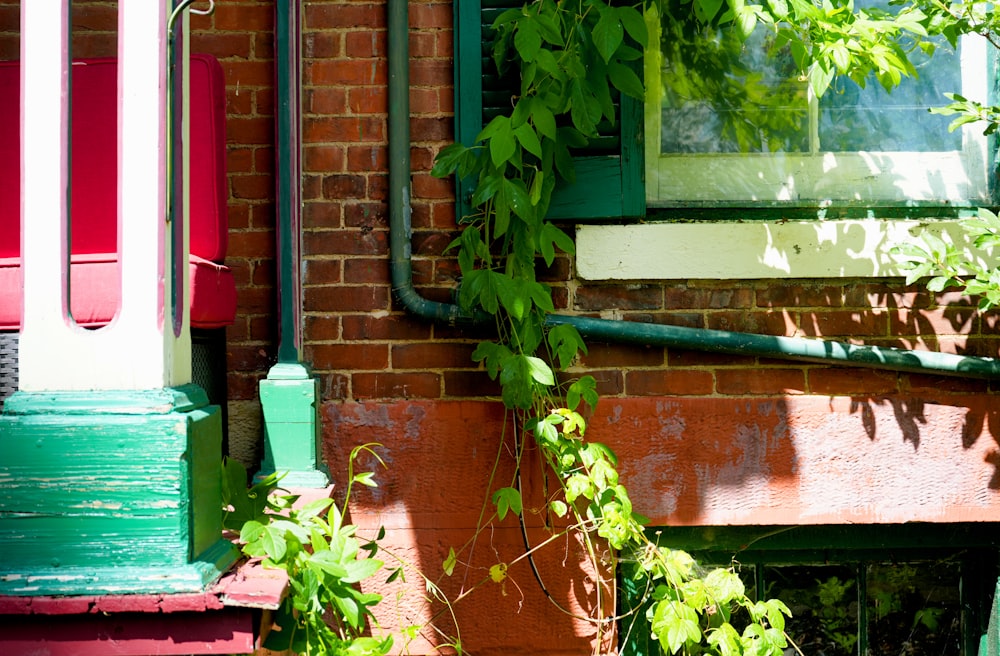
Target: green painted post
(111,493)
(989,645)
(290,395)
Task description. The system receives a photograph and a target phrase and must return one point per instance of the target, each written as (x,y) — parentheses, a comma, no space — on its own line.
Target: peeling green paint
(110,492)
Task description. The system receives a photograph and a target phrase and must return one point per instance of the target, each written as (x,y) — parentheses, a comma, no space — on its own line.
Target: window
(697,188)
(609,173)
(732,121)
(872,591)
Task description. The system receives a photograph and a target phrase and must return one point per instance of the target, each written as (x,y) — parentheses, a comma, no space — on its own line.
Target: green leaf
(329,563)
(528,139)
(449,563)
(634,24)
(558,507)
(360,569)
(625,80)
(527,40)
(540,372)
(608,33)
(507,498)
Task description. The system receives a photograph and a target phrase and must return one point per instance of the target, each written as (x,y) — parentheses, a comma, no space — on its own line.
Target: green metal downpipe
(629,332)
(400,227)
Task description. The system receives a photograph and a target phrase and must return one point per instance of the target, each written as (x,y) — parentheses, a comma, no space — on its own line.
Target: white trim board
(754,249)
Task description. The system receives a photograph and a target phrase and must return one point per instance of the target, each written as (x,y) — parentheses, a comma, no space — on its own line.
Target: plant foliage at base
(325,612)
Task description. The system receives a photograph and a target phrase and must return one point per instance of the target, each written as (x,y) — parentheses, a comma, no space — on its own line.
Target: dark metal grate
(8,364)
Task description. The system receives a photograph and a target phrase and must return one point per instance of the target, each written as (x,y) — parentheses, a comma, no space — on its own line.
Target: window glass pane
(725,95)
(824,604)
(721,94)
(855,119)
(915,607)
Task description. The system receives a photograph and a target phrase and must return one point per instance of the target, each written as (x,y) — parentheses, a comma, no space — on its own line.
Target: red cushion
(95,157)
(94,283)
(94,193)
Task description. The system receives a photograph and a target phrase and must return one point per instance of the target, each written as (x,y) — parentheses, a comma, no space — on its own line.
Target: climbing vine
(572,59)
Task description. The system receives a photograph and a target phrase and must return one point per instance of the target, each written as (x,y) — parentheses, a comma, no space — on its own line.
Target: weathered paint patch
(110,501)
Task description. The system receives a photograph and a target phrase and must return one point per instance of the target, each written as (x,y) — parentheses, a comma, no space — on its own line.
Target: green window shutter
(609,174)
(990,643)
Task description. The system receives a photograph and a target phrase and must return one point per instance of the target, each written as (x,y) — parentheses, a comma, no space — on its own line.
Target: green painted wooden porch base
(111,493)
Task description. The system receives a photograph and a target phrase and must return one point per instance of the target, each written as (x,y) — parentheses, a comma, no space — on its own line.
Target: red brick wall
(704,438)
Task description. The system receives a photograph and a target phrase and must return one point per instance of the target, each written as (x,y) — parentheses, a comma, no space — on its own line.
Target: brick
(264,273)
(845,323)
(366,270)
(248,358)
(760,381)
(427,186)
(430,243)
(244,130)
(367,44)
(322,215)
(251,243)
(422,44)
(253,187)
(242,386)
(344,186)
(432,356)
(835,381)
(263,215)
(325,100)
(625,297)
(93,17)
(249,73)
(255,300)
(346,242)
(431,72)
(323,159)
(321,271)
(934,384)
(322,44)
(610,382)
(688,297)
(239,160)
(347,129)
(366,215)
(362,159)
(263,329)
(678,357)
(431,129)
(344,72)
(222,45)
(263,160)
(431,15)
(797,295)
(335,386)
(396,385)
(601,356)
(769,323)
(323,327)
(319,16)
(359,357)
(953,320)
(668,382)
(244,17)
(470,384)
(384,327)
(346,299)
(378,186)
